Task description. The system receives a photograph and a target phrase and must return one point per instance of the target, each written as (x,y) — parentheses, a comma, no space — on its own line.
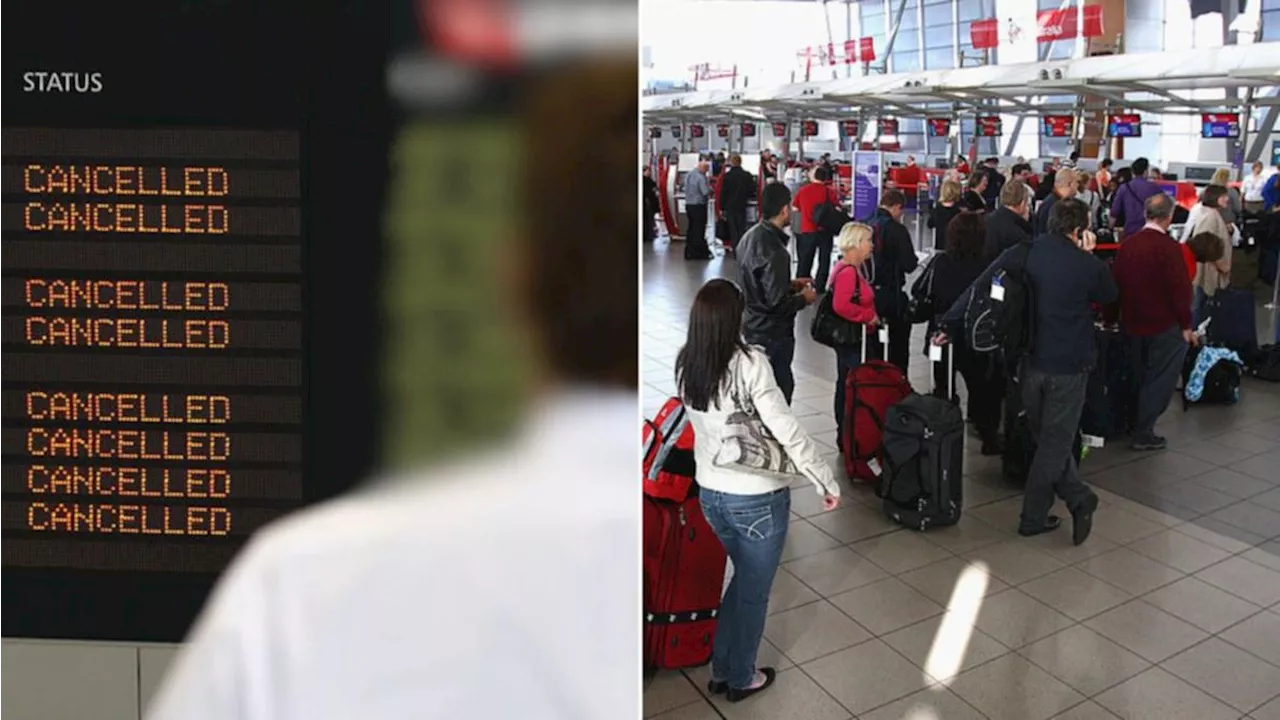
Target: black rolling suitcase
(1233,323)
(924,453)
(1109,405)
(1019,443)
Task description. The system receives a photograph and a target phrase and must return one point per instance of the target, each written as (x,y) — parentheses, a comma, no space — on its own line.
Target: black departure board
(189,281)
(153,331)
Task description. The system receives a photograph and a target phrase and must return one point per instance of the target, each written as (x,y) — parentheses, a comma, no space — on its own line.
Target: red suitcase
(870,390)
(684,565)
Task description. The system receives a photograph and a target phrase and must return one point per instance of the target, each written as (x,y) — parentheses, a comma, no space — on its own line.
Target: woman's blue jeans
(752,529)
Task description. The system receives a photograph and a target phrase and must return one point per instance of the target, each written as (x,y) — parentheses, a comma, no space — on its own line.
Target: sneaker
(1082,519)
(763,679)
(1053,522)
(1152,442)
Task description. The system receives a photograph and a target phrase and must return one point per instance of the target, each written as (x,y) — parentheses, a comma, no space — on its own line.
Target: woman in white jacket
(749,512)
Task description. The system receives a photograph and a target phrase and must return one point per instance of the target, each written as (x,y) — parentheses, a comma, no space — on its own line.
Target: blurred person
(1271,190)
(1102,178)
(1064,186)
(1155,174)
(940,217)
(1251,188)
(1231,213)
(718,374)
(649,203)
(892,260)
(995,182)
(975,186)
(826,164)
(1207,218)
(962,165)
(814,242)
(1067,281)
(717,163)
(1088,197)
(1072,160)
(1010,224)
(1155,315)
(439,593)
(773,298)
(954,271)
(737,189)
(853,299)
(697,194)
(1023,172)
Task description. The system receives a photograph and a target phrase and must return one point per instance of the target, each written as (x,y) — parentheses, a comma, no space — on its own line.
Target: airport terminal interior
(1171,609)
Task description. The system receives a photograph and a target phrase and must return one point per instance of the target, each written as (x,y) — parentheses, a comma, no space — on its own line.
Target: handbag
(828,217)
(922,306)
(722,229)
(747,445)
(828,328)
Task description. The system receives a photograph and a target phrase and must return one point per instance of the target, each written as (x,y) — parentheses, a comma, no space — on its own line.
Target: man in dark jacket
(737,187)
(1008,225)
(893,259)
(995,183)
(773,298)
(1064,186)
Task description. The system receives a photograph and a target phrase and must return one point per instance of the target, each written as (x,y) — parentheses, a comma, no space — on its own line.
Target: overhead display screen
(748,129)
(810,128)
(696,131)
(162,273)
(1220,125)
(938,127)
(849,128)
(989,126)
(655,132)
(779,129)
(1058,125)
(1126,125)
(888,126)
(722,130)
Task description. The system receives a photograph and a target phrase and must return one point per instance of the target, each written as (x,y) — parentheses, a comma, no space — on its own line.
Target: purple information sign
(866,183)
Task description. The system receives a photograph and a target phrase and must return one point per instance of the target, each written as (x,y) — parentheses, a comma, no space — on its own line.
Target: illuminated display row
(153,332)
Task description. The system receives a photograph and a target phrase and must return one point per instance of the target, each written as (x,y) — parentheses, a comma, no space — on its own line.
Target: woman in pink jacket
(854,300)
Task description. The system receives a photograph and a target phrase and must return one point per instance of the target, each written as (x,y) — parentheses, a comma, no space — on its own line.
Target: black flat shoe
(1052,523)
(735,695)
(717,687)
(1082,520)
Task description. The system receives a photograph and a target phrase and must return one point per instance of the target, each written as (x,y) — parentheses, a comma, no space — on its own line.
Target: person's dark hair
(714,337)
(1123,175)
(1158,207)
(893,198)
(1068,216)
(1205,247)
(774,199)
(1075,155)
(1020,168)
(975,180)
(822,174)
(966,234)
(1106,163)
(563,304)
(1211,195)
(1140,167)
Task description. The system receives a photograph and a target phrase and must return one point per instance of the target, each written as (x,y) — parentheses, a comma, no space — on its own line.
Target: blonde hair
(950,192)
(853,235)
(1221,176)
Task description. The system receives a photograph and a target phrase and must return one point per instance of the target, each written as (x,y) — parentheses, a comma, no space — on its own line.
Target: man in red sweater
(1155,314)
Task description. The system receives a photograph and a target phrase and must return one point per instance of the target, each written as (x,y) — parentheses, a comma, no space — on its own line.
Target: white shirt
(753,375)
(1251,186)
(503,588)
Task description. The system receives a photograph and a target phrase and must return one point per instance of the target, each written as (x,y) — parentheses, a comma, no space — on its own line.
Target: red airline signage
(939,127)
(696,131)
(779,129)
(866,49)
(722,130)
(888,126)
(984,34)
(810,128)
(989,126)
(849,128)
(1058,125)
(748,129)
(1061,24)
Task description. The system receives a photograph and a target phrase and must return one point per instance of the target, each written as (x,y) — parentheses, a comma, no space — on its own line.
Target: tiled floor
(1171,611)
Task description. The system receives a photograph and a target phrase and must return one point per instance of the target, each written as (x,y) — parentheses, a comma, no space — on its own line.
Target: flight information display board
(1124,125)
(153,336)
(809,128)
(1057,125)
(849,128)
(189,277)
(1220,125)
(938,127)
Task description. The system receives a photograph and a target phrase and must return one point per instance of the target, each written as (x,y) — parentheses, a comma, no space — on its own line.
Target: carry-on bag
(666,453)
(1233,322)
(924,458)
(1019,442)
(870,390)
(1109,402)
(684,566)
(1211,375)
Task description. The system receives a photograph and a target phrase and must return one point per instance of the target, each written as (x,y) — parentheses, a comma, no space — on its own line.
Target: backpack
(667,460)
(1265,364)
(883,274)
(922,307)
(1211,375)
(999,319)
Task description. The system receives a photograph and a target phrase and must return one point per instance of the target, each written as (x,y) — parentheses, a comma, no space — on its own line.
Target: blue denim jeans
(753,529)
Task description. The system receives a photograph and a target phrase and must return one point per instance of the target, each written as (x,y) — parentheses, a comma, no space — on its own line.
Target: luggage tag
(1092,441)
(883,334)
(997,290)
(874,466)
(935,352)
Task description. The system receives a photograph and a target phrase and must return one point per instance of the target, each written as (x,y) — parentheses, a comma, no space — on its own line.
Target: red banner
(850,52)
(722,130)
(984,34)
(989,126)
(866,49)
(696,131)
(780,129)
(1061,24)
(849,128)
(810,128)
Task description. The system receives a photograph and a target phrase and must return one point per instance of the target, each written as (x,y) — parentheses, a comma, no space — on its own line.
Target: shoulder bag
(828,328)
(747,445)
